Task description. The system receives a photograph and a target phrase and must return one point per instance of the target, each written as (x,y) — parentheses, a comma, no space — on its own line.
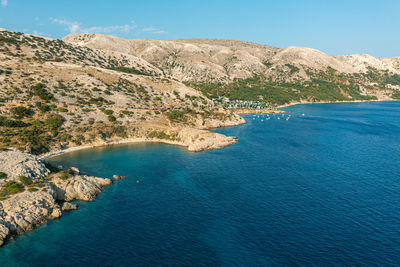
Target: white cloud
(73,26)
(153,30)
(116,28)
(37,33)
(76,27)
(4,2)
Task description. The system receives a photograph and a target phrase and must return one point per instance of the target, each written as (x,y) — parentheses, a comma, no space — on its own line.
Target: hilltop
(246,71)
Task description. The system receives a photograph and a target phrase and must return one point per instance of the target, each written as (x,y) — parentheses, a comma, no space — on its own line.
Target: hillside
(245,71)
(57,95)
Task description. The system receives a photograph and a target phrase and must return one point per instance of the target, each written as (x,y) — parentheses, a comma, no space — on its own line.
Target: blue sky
(334,27)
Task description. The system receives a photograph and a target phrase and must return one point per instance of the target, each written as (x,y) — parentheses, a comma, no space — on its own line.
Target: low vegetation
(65,174)
(12,187)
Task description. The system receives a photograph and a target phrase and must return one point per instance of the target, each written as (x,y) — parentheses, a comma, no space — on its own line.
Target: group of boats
(266,116)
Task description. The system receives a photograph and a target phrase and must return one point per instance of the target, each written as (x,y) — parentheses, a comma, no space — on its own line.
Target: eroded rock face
(79,187)
(16,163)
(22,212)
(4,232)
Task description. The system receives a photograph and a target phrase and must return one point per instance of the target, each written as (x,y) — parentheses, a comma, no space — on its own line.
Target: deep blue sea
(321,189)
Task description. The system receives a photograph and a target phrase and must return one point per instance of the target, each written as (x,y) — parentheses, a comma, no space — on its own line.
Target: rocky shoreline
(34,192)
(194,139)
(38,193)
(217,143)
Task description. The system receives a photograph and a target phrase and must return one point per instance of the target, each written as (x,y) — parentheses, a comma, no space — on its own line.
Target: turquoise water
(320,189)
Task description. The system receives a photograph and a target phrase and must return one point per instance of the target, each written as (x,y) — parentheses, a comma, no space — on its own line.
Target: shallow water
(320,189)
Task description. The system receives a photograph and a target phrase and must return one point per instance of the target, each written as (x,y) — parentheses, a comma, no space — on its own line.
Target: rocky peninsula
(34,192)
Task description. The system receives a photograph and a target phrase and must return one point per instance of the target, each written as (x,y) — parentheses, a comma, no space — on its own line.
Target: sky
(334,27)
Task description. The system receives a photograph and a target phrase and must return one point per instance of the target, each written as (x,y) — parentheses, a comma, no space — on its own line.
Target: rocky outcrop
(24,211)
(118,177)
(15,163)
(79,187)
(229,119)
(200,140)
(4,232)
(66,206)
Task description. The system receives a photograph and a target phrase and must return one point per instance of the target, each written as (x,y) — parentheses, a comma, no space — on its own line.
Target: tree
(55,121)
(22,111)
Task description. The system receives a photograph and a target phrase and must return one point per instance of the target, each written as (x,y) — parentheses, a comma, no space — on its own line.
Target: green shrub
(11,123)
(111,118)
(55,121)
(40,90)
(43,108)
(65,174)
(107,111)
(62,110)
(21,112)
(25,181)
(12,187)
(176,116)
(3,175)
(130,70)
(32,189)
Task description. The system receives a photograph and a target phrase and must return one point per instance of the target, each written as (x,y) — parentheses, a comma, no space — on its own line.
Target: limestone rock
(79,187)
(69,206)
(199,140)
(118,177)
(21,212)
(15,163)
(4,232)
(75,170)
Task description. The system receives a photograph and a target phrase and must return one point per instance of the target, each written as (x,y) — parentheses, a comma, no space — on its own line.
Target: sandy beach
(110,143)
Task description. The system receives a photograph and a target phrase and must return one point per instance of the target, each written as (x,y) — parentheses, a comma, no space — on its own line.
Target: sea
(317,186)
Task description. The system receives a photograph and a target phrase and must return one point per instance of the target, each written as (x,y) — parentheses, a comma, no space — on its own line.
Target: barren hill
(205,60)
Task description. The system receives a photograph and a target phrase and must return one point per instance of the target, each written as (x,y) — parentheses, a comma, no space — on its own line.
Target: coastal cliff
(41,195)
